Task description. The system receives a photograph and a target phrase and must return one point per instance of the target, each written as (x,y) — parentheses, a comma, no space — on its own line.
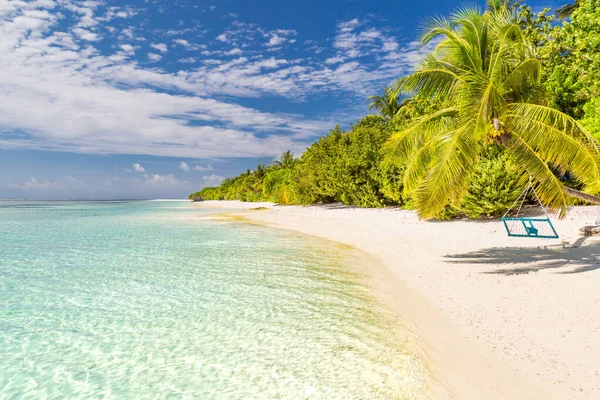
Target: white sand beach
(500,317)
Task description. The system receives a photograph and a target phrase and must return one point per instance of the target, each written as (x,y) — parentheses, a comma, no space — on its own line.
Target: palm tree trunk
(583,196)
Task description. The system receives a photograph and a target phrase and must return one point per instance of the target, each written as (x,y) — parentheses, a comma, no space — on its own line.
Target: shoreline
(500,317)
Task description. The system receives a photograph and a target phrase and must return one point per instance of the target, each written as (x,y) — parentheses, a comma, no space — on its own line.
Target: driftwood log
(590,231)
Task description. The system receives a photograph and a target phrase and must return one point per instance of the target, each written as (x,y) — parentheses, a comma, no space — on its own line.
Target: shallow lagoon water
(151,300)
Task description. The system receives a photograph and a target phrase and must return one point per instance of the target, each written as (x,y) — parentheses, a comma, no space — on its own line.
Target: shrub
(494,187)
(591,121)
(276,186)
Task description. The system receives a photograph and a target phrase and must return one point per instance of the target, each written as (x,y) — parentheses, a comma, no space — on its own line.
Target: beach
(499,317)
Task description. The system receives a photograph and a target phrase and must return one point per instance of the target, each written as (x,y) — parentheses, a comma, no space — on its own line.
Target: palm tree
(260,172)
(564,12)
(286,160)
(487,72)
(387,104)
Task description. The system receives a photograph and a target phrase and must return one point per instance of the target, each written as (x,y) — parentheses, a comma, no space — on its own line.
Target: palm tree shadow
(522,261)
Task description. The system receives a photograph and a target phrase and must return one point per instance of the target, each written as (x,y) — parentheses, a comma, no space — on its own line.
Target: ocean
(156,300)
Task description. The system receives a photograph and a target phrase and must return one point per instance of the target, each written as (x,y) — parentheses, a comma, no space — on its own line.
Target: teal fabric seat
(529,227)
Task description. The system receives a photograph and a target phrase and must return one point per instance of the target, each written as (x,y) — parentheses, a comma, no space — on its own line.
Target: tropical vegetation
(505,97)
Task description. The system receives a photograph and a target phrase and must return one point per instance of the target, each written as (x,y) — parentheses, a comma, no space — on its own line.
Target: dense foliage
(486,69)
(507,96)
(569,53)
(341,167)
(494,186)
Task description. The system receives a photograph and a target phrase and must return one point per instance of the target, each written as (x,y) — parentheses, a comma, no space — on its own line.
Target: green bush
(494,188)
(591,120)
(346,167)
(392,183)
(276,186)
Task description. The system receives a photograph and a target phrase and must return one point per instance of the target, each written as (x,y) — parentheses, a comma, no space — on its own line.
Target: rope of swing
(523,196)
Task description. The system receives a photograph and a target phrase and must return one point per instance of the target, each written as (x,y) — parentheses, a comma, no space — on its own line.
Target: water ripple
(125,301)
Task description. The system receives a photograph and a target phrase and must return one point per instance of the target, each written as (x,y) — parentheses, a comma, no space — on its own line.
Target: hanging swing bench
(529,227)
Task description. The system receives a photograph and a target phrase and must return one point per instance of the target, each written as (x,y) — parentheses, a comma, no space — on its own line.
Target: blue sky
(156,99)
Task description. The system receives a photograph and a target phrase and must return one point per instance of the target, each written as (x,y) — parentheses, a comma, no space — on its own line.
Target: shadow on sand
(521,261)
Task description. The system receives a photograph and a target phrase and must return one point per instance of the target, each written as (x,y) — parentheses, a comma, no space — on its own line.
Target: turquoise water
(153,300)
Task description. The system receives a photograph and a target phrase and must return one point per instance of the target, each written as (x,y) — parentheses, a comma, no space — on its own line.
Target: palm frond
(564,12)
(429,82)
(556,119)
(387,104)
(547,185)
(510,41)
(491,100)
(402,145)
(521,77)
(418,166)
(431,27)
(461,47)
(470,20)
(558,140)
(453,160)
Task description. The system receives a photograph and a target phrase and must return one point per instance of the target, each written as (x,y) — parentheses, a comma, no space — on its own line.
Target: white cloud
(188,45)
(233,52)
(354,39)
(154,57)
(280,36)
(117,12)
(68,187)
(334,60)
(127,48)
(186,167)
(114,106)
(89,100)
(390,45)
(181,42)
(169,180)
(35,185)
(213,180)
(86,35)
(128,32)
(348,26)
(138,168)
(162,47)
(175,32)
(276,40)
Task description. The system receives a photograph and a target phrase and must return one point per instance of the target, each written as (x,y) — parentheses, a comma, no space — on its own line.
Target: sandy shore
(501,318)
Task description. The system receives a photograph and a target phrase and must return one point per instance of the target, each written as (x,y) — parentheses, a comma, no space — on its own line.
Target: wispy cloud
(212,180)
(187,168)
(154,57)
(60,90)
(146,186)
(187,45)
(162,47)
(65,183)
(279,37)
(138,168)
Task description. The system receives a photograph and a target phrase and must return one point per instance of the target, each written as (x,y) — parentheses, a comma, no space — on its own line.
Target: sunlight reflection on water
(133,299)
